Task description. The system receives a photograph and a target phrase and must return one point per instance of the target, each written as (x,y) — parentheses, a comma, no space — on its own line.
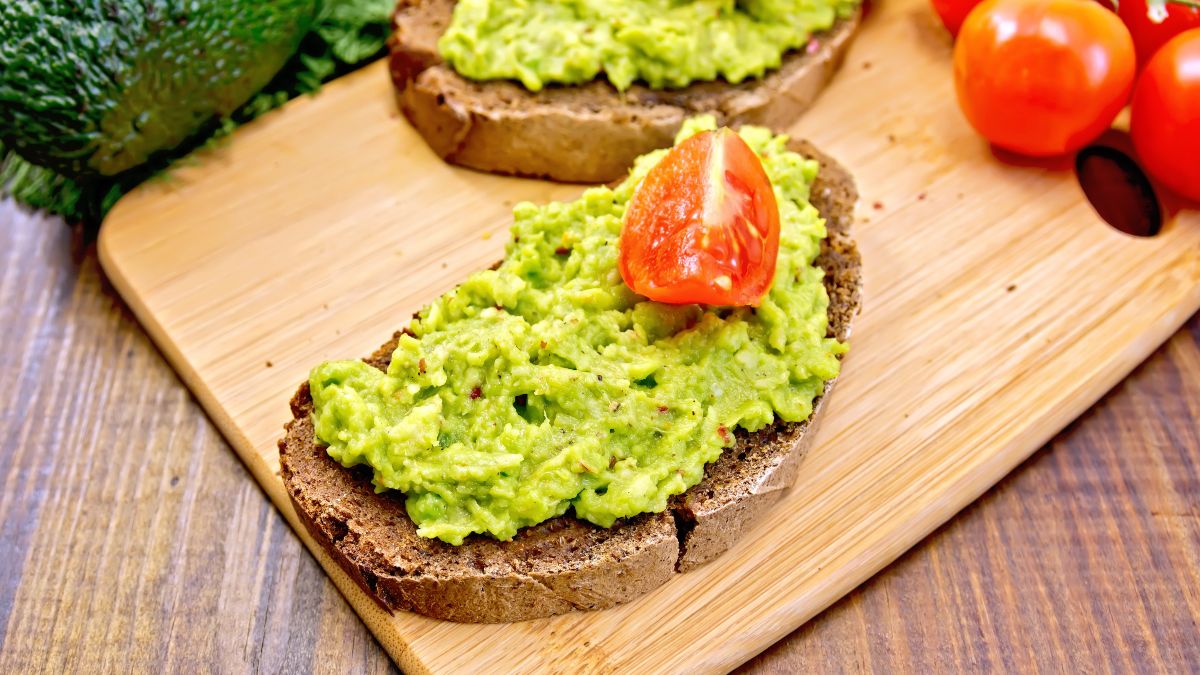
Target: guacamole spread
(664,43)
(547,385)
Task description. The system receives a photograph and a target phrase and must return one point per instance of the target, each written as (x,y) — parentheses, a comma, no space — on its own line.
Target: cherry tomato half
(1042,77)
(1165,123)
(703,226)
(1150,35)
(954,12)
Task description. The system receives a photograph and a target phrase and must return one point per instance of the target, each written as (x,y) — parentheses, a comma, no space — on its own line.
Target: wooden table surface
(131,538)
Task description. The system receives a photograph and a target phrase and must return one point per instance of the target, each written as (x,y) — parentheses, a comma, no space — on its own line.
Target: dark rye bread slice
(564,564)
(589,133)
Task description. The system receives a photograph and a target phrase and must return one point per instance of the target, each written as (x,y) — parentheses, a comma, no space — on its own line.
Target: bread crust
(555,567)
(565,564)
(588,133)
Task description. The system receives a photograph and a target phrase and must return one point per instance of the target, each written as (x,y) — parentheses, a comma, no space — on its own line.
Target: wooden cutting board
(998,308)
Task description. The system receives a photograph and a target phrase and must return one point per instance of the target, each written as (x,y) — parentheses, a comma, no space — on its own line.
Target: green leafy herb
(355,31)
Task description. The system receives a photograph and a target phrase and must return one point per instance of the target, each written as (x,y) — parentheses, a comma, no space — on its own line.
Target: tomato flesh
(1165,120)
(1042,77)
(703,227)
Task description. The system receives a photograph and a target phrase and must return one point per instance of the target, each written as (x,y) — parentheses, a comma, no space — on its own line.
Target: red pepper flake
(586,468)
(542,344)
(663,408)
(562,250)
(476,393)
(612,461)
(922,196)
(723,433)
(878,206)
(421,366)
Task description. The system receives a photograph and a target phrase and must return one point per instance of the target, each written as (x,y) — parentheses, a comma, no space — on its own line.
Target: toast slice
(587,133)
(564,564)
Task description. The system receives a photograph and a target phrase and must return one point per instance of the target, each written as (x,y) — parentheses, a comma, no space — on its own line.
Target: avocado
(96,87)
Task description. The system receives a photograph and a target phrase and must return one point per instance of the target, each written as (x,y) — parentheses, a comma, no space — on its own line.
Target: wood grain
(131,538)
(1086,559)
(998,309)
(1083,559)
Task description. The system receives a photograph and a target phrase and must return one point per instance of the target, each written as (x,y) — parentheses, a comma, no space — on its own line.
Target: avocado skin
(95,87)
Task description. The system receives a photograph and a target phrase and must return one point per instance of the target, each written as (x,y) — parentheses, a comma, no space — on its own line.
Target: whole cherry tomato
(1149,35)
(703,226)
(954,12)
(1042,77)
(1165,123)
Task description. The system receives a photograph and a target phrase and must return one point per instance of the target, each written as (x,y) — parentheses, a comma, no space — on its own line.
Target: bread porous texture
(565,564)
(588,133)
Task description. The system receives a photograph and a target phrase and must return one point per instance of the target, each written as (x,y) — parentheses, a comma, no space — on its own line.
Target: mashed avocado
(664,43)
(547,384)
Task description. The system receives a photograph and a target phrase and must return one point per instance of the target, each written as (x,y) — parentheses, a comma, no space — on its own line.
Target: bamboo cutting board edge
(421,644)
(953,500)
(267,478)
(911,533)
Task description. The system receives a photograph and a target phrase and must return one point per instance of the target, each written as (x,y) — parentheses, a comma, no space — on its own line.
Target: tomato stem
(1185,3)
